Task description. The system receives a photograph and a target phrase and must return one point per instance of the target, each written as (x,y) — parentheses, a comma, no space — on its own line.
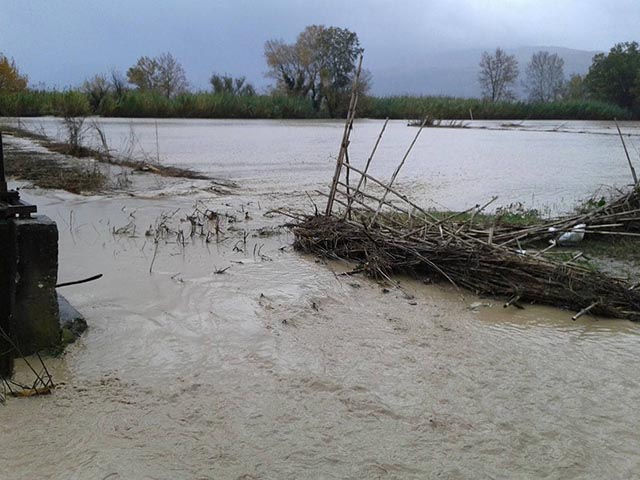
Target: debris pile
(369,221)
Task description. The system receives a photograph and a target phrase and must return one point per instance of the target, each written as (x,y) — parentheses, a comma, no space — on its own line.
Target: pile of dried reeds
(386,232)
(477,266)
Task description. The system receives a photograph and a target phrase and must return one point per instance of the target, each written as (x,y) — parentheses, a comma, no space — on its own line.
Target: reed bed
(138,104)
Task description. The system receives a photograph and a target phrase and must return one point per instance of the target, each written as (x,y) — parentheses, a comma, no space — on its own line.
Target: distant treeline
(139,104)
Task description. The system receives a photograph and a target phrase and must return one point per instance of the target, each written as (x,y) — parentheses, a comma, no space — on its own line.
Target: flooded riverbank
(279,368)
(543,164)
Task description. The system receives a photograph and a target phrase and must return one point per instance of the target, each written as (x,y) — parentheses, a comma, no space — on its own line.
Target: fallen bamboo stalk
(624,234)
(404,198)
(545,250)
(397,170)
(574,258)
(396,222)
(476,211)
(396,193)
(512,301)
(584,311)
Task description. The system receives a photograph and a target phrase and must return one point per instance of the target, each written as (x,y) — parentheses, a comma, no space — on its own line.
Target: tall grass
(209,105)
(465,108)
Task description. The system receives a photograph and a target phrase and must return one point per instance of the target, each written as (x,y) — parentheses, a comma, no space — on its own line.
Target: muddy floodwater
(547,165)
(239,358)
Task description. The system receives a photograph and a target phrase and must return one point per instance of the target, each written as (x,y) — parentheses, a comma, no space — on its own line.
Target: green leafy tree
(498,73)
(545,77)
(615,77)
(320,65)
(162,74)
(11,80)
(225,84)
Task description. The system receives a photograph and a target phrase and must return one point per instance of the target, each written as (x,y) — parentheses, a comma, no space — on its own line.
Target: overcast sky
(62,42)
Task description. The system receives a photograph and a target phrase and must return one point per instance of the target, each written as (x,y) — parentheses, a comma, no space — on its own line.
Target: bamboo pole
(584,311)
(366,168)
(626,152)
(345,138)
(373,152)
(398,233)
(397,170)
(404,198)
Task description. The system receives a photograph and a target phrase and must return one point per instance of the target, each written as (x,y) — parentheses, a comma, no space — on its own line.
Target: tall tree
(545,77)
(11,80)
(615,77)
(162,74)
(320,65)
(498,73)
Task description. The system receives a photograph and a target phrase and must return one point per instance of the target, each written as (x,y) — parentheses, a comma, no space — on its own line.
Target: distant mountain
(455,73)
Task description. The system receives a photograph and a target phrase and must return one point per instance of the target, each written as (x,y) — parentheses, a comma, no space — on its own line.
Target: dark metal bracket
(11,205)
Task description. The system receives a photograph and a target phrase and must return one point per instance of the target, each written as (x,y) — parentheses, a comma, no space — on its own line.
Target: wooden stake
(373,152)
(626,152)
(345,138)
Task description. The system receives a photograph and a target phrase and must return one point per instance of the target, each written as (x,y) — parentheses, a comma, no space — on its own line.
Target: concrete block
(35,315)
(7,292)
(72,322)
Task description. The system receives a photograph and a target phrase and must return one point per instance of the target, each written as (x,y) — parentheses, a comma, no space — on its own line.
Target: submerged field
(279,367)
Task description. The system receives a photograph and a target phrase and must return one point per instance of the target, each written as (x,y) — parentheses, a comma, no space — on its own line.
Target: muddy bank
(58,164)
(279,368)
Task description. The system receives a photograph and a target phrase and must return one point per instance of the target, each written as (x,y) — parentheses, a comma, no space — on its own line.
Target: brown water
(279,368)
(543,164)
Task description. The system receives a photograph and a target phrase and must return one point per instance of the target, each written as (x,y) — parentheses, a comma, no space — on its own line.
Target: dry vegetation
(369,221)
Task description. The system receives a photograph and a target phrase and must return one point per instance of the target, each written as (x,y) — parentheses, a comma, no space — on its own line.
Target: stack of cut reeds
(369,221)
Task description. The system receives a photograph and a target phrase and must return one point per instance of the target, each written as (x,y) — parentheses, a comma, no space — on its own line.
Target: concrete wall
(28,276)
(7,294)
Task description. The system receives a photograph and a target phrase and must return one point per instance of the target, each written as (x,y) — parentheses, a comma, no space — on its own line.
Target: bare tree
(291,67)
(225,84)
(498,73)
(162,74)
(171,78)
(545,77)
(73,107)
(118,83)
(96,88)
